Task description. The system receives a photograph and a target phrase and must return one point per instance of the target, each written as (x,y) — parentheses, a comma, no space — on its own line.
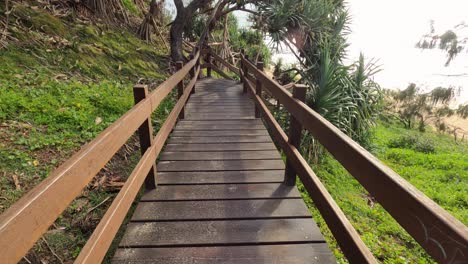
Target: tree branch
(179,5)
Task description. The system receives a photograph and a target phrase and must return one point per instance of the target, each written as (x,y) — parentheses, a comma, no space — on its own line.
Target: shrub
(405,141)
(415,143)
(424,146)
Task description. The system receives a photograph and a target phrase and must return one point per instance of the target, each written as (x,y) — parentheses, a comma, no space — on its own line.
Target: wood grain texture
(220,147)
(239,232)
(219,133)
(220,165)
(217,177)
(220,155)
(216,210)
(310,253)
(220,139)
(221,192)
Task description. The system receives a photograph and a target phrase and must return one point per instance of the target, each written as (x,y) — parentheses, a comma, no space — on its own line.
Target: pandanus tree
(315,31)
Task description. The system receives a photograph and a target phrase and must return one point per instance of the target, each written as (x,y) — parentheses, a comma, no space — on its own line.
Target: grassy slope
(443,176)
(60,85)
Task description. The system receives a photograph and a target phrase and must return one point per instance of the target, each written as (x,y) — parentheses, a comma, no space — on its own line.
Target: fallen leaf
(35,163)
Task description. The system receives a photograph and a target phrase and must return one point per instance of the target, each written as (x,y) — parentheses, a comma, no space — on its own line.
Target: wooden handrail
(25,221)
(345,234)
(225,63)
(443,236)
(110,223)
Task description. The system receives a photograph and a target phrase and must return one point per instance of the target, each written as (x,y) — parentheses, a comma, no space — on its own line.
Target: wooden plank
(241,232)
(222,122)
(222,110)
(220,165)
(211,177)
(230,139)
(402,200)
(220,210)
(219,133)
(217,126)
(221,191)
(220,147)
(310,253)
(218,117)
(228,155)
(23,223)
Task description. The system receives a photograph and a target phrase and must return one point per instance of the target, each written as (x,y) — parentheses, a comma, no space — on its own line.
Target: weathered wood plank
(221,232)
(220,147)
(216,210)
(217,126)
(221,122)
(221,191)
(219,133)
(219,155)
(220,165)
(220,139)
(210,177)
(310,253)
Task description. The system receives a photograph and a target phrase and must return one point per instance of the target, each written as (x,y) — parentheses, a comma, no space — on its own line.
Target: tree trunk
(176,35)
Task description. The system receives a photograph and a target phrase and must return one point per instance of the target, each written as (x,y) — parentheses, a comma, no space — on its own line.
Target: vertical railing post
(145,132)
(258,89)
(208,61)
(245,69)
(180,88)
(241,68)
(295,135)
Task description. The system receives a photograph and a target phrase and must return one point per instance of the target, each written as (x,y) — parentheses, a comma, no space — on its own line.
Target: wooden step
(310,253)
(221,192)
(220,165)
(217,233)
(221,210)
(216,177)
(220,155)
(220,147)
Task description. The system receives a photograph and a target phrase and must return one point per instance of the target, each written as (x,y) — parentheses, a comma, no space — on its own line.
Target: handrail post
(180,88)
(245,70)
(208,61)
(295,135)
(145,132)
(258,89)
(241,66)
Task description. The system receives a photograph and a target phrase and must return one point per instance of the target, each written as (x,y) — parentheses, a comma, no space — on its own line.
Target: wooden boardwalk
(220,197)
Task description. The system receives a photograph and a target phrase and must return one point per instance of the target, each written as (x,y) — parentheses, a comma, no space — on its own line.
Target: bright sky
(388,30)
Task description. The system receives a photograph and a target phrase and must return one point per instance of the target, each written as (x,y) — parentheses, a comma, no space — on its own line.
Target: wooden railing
(29,218)
(439,233)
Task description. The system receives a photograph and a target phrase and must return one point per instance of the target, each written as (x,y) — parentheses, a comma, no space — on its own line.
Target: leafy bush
(413,142)
(424,146)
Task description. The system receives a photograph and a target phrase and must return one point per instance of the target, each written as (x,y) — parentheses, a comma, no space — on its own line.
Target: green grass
(61,84)
(441,175)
